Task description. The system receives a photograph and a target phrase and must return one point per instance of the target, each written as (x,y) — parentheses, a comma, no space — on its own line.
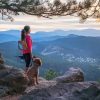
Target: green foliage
(98,81)
(50,74)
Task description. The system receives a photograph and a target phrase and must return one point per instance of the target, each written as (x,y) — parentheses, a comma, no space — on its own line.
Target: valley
(59,53)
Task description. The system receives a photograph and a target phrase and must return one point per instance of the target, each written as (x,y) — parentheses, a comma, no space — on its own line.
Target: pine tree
(47,9)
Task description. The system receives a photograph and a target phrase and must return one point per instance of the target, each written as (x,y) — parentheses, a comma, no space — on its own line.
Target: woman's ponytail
(23,34)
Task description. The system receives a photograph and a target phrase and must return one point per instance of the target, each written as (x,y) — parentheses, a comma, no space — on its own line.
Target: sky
(44,24)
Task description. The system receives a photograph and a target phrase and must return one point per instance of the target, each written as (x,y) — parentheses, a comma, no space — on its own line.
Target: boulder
(72,75)
(14,79)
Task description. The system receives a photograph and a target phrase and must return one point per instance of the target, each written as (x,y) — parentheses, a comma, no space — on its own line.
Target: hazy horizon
(89,32)
(44,24)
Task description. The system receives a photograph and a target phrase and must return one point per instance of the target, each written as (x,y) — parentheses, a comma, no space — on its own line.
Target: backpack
(22,45)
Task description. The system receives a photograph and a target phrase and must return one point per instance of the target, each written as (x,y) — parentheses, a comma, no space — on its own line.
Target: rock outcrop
(72,75)
(12,80)
(70,86)
(65,91)
(1,59)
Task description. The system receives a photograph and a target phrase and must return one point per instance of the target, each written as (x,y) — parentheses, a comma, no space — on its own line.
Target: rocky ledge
(70,86)
(12,80)
(65,91)
(1,59)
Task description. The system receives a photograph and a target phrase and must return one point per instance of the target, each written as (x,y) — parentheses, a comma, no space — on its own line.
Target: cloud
(42,24)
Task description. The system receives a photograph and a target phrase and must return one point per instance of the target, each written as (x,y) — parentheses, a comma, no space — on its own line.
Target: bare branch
(44,8)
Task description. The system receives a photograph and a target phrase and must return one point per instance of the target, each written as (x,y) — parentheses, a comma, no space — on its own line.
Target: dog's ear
(38,61)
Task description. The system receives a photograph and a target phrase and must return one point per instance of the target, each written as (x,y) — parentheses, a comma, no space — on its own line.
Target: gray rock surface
(72,75)
(1,59)
(70,86)
(14,79)
(65,87)
(65,91)
(3,90)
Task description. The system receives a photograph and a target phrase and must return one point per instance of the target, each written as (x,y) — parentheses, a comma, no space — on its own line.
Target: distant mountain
(10,52)
(85,32)
(42,38)
(53,35)
(78,46)
(73,44)
(10,35)
(15,33)
(7,38)
(60,54)
(72,36)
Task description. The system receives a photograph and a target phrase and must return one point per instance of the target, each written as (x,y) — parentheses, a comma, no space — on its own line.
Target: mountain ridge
(80,51)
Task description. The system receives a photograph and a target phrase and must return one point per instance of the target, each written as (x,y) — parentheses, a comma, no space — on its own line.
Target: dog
(33,72)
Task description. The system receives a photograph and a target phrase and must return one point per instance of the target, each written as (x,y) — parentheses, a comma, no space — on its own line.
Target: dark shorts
(27,58)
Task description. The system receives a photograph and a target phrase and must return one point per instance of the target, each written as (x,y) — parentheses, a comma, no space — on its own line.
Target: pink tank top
(29,45)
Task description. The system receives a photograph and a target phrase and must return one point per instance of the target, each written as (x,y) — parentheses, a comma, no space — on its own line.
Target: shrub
(50,74)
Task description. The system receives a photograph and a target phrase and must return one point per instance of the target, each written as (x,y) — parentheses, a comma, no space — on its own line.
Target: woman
(27,50)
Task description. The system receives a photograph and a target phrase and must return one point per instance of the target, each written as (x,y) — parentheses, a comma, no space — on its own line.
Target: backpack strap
(19,43)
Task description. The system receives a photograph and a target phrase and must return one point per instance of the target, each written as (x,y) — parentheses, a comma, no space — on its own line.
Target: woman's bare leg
(26,70)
